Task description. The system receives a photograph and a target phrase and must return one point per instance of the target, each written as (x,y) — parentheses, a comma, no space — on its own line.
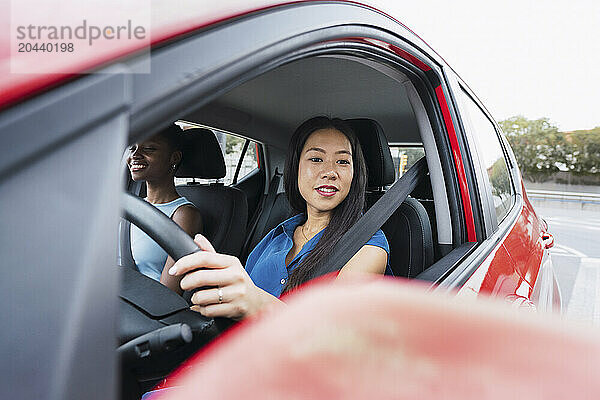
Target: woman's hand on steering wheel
(225,288)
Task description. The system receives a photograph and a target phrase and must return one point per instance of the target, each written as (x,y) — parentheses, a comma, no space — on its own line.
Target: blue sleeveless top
(266,264)
(149,257)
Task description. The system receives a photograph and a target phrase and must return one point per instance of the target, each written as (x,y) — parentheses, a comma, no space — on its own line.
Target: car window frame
(50,137)
(485,201)
(472,260)
(236,179)
(153,106)
(490,215)
(486,182)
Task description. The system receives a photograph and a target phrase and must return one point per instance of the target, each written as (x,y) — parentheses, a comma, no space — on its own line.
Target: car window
(404,157)
(492,157)
(235,154)
(235,157)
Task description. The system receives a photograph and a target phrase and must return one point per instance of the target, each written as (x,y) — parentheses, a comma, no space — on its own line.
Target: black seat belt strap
(124,256)
(360,233)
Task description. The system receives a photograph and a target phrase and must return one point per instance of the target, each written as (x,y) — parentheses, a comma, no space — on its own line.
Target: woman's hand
(227,291)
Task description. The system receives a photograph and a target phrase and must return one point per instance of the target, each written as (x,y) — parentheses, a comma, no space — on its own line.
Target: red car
(250,74)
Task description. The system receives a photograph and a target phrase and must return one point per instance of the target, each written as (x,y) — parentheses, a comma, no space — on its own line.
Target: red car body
(516,269)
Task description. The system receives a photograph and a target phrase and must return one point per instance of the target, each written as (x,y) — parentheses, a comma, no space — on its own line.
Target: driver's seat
(224,209)
(408,230)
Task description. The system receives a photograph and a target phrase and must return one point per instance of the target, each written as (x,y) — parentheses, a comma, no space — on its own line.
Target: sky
(533,58)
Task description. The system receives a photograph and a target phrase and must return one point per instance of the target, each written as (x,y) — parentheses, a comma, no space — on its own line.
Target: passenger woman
(325,180)
(155,162)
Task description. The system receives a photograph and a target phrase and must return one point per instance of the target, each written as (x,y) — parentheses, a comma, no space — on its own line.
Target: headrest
(376,151)
(202,155)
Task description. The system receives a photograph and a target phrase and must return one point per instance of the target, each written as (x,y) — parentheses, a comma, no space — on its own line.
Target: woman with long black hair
(325,180)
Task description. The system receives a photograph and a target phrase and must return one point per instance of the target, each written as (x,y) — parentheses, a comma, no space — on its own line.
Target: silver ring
(220,293)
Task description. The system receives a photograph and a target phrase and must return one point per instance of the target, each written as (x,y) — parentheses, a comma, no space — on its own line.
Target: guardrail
(569,197)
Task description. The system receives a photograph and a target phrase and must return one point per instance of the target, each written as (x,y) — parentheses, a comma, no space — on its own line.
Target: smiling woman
(155,162)
(327,161)
(325,181)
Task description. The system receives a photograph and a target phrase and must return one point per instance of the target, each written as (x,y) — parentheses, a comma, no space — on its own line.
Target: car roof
(167,22)
(343,86)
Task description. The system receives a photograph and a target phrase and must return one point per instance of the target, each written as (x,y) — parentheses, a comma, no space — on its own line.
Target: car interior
(381,103)
(384,109)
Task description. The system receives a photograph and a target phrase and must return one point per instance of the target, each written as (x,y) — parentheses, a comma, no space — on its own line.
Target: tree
(499,179)
(541,150)
(584,158)
(233,144)
(501,187)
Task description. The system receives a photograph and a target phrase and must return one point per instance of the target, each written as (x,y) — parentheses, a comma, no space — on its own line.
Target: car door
(59,206)
(518,261)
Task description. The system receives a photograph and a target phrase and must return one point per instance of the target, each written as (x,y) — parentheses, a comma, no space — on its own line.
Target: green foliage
(537,144)
(542,150)
(584,158)
(501,187)
(499,179)
(233,144)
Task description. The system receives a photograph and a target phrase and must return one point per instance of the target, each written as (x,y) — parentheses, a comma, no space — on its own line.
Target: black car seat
(408,230)
(269,215)
(224,209)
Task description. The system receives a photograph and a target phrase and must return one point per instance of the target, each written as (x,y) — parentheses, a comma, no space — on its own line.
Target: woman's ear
(176,157)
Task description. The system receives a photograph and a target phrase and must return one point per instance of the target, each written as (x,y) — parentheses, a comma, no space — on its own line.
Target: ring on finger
(220,293)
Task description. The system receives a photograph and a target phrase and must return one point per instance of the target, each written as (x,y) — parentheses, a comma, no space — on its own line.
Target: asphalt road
(576,259)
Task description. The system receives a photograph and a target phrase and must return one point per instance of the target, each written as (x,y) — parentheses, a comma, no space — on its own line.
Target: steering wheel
(174,240)
(157,330)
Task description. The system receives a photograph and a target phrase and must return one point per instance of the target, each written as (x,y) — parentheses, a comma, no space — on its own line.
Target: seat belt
(124,255)
(360,233)
(265,213)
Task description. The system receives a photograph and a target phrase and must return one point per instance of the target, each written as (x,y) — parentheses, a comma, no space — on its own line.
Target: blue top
(149,257)
(266,264)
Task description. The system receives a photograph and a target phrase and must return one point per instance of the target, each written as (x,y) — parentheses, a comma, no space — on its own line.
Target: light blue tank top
(149,257)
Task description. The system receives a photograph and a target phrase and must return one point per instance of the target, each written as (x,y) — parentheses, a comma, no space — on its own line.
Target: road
(576,259)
